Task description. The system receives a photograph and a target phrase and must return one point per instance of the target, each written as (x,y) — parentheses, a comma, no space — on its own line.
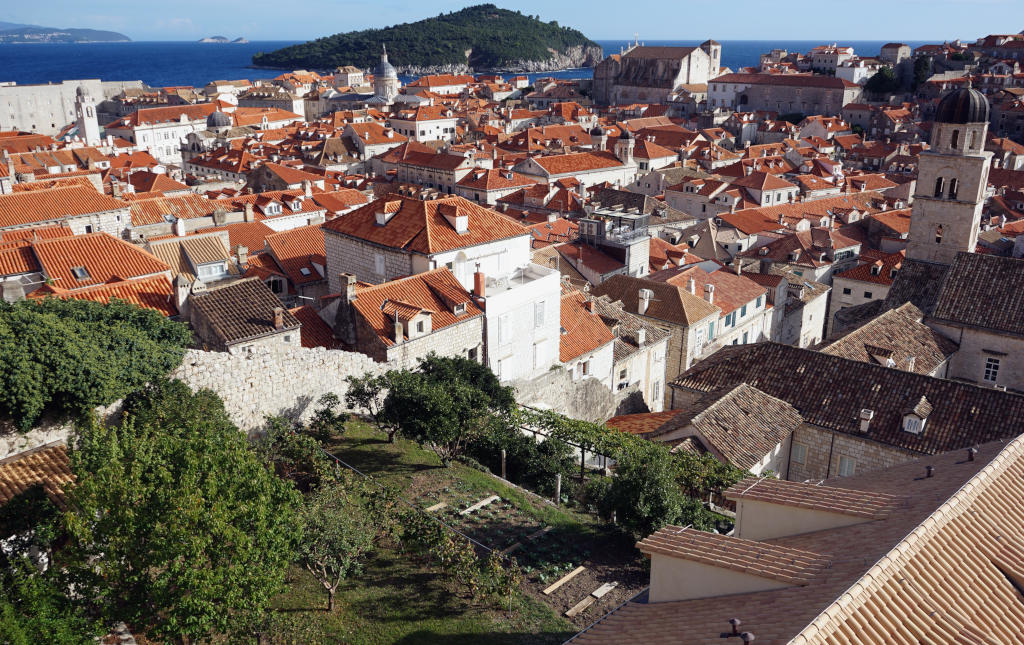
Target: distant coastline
(34,35)
(221,40)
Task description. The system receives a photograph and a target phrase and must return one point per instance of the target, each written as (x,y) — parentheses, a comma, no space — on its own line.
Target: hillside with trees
(476,38)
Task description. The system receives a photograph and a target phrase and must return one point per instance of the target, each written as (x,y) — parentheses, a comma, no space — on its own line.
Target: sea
(177,63)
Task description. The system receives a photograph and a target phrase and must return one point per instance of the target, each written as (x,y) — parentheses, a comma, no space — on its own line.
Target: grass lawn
(395,599)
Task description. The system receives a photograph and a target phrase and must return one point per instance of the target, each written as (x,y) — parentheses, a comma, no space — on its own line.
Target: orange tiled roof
(155,292)
(577,162)
(584,330)
(103,256)
(48,467)
(314,332)
(436,291)
(297,251)
(53,204)
(421,226)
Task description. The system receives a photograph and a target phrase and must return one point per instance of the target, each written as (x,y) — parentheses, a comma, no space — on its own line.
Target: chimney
(399,331)
(709,293)
(182,290)
(644,301)
(866,416)
(691,286)
(115,189)
(249,216)
(589,304)
(641,337)
(278,317)
(479,283)
(738,265)
(307,188)
(929,470)
(179,227)
(242,253)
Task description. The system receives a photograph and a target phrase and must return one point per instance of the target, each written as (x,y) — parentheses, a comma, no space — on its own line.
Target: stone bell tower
(85,117)
(951,181)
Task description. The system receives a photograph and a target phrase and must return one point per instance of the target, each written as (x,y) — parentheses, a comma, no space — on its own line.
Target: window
(846,466)
(759,299)
(867,294)
(846,291)
(538,314)
(504,328)
(711,330)
(938,186)
(304,271)
(991,369)
(88,228)
(471,354)
(287,338)
(419,327)
(955,139)
(743,311)
(952,188)
(378,264)
(938,234)
(622,374)
(799,453)
(586,367)
(745,336)
(80,273)
(913,424)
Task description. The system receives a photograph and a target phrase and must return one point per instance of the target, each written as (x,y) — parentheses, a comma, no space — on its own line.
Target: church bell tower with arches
(951,181)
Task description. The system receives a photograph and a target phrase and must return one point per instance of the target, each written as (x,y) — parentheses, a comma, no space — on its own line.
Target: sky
(934,20)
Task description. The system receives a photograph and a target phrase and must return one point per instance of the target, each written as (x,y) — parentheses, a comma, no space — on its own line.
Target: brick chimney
(279,318)
(479,283)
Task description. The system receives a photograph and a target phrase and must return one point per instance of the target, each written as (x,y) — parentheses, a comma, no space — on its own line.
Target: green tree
(447,403)
(367,392)
(340,526)
(922,69)
(176,526)
(292,452)
(36,608)
(645,494)
(327,422)
(884,81)
(69,356)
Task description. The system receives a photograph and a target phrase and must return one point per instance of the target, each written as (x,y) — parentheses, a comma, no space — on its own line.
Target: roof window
(80,273)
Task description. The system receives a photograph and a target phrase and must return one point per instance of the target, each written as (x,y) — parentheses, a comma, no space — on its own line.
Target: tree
(175,524)
(292,452)
(922,69)
(645,492)
(447,403)
(367,392)
(883,82)
(326,422)
(36,608)
(69,356)
(339,528)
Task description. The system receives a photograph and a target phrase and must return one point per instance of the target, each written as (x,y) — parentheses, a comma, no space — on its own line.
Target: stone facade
(984,357)
(829,454)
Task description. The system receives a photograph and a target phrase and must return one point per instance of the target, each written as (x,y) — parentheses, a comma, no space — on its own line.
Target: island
(223,40)
(31,34)
(475,39)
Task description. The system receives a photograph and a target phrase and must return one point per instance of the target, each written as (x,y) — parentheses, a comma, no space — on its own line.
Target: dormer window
(459,309)
(304,271)
(876,269)
(913,424)
(914,418)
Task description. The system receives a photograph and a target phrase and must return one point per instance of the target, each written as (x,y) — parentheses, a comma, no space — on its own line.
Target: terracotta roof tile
(241,311)
(48,467)
(103,257)
(17,209)
(584,330)
(315,332)
(984,291)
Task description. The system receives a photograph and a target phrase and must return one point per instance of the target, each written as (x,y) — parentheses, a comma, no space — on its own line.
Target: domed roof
(597,131)
(626,134)
(384,69)
(966,105)
(218,119)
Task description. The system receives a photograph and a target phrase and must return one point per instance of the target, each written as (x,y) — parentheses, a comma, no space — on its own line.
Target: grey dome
(625,133)
(384,69)
(218,119)
(597,131)
(966,105)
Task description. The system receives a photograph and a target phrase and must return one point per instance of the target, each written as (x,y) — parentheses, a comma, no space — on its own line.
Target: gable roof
(897,334)
(297,249)
(48,467)
(830,391)
(985,291)
(420,226)
(584,330)
(103,256)
(436,291)
(20,208)
(670,303)
(241,311)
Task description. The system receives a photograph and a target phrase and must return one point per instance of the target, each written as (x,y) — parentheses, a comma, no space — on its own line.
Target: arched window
(955,139)
(974,139)
(938,234)
(952,188)
(938,186)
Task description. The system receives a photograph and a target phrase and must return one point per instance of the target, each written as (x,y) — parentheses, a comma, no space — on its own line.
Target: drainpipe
(830,447)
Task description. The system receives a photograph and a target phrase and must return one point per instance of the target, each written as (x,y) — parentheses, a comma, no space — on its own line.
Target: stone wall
(822,449)
(586,399)
(285,381)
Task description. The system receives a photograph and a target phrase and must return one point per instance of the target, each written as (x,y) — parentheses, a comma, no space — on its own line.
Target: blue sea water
(162,64)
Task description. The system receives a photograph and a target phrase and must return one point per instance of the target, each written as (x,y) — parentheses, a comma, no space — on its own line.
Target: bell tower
(85,117)
(952,176)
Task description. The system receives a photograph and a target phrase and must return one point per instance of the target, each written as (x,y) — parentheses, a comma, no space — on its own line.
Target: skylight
(80,273)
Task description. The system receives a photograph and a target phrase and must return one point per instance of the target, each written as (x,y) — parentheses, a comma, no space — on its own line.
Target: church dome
(966,105)
(597,131)
(384,69)
(218,119)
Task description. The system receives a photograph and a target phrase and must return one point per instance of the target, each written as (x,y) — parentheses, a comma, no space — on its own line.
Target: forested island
(479,38)
(25,34)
